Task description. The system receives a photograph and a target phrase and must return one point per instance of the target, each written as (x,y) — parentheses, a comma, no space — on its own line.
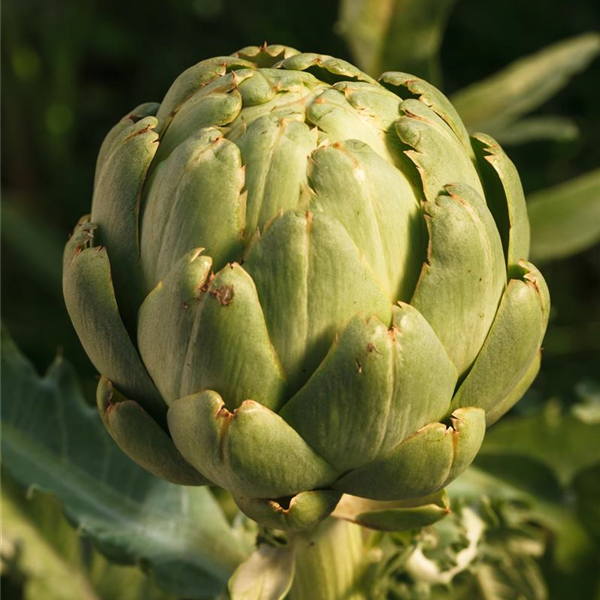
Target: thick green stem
(330,562)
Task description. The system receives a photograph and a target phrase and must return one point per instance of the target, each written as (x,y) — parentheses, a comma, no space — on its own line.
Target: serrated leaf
(513,579)
(493,103)
(565,219)
(423,568)
(497,481)
(398,35)
(52,440)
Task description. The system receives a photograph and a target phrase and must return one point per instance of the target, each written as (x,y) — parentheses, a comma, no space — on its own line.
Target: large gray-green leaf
(565,219)
(399,35)
(43,551)
(493,103)
(52,440)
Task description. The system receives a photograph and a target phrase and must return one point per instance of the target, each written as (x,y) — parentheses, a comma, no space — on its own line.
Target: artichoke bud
(298,282)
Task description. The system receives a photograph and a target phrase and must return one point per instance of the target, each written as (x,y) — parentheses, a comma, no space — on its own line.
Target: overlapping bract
(298,282)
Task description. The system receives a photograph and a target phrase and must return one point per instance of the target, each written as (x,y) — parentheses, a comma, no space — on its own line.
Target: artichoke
(297,282)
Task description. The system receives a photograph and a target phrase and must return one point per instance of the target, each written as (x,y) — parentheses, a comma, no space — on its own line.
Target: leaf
(572,540)
(53,440)
(558,440)
(494,103)
(422,568)
(565,219)
(533,129)
(42,559)
(43,550)
(485,550)
(525,458)
(395,515)
(588,407)
(267,575)
(398,35)
(516,578)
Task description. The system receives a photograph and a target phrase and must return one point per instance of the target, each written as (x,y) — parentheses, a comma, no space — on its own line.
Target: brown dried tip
(223,294)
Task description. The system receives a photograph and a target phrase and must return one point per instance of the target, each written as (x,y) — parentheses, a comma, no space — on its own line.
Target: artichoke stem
(331,562)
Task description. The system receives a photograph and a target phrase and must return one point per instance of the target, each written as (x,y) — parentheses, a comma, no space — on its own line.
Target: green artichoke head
(298,282)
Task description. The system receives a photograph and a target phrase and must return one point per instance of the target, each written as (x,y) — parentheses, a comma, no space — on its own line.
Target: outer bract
(299,282)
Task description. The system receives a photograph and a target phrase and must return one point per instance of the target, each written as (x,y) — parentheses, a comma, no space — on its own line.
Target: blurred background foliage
(72,68)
